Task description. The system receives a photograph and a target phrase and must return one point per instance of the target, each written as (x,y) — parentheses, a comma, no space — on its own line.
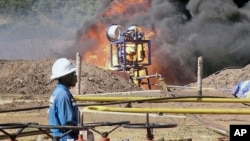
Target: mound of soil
(32,77)
(226,78)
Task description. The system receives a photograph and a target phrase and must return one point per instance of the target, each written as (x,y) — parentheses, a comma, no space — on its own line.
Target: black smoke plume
(186,29)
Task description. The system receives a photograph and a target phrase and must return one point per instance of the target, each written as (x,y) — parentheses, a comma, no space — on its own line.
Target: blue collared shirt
(63,111)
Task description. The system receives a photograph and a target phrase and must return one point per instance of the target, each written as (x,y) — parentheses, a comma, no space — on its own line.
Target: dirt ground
(25,84)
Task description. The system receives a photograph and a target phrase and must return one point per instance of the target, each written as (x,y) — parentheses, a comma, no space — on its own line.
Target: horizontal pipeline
(169,110)
(159,100)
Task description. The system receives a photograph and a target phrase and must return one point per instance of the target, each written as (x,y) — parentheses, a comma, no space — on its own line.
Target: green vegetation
(43,18)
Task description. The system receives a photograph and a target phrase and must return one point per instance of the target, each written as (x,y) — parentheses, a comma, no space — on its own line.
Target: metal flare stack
(130,52)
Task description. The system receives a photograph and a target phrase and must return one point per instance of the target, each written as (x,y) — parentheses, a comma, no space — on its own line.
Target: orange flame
(98,52)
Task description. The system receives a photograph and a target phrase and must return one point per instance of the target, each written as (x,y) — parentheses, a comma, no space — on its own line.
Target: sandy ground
(208,127)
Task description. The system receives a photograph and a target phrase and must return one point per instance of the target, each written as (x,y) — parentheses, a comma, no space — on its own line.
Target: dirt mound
(227,78)
(32,77)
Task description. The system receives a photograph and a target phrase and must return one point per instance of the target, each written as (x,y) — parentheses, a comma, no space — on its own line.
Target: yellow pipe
(169,110)
(157,99)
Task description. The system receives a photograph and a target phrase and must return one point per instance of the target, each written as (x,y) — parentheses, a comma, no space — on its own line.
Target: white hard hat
(62,67)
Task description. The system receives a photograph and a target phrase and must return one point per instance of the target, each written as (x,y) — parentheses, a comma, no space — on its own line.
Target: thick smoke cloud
(184,30)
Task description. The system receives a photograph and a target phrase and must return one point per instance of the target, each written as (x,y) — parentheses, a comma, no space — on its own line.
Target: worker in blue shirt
(63,110)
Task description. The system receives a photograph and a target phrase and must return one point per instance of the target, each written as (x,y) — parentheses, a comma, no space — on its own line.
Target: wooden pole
(78,73)
(199,75)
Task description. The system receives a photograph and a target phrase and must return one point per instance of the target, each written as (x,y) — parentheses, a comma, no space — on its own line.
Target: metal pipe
(160,99)
(169,110)
(24,134)
(147,76)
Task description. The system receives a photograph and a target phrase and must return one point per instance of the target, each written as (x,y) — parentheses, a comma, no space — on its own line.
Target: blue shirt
(63,111)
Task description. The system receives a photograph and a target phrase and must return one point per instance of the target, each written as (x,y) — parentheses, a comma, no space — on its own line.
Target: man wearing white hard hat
(63,110)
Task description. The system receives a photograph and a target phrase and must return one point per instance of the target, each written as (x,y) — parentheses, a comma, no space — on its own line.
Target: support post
(78,73)
(199,75)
